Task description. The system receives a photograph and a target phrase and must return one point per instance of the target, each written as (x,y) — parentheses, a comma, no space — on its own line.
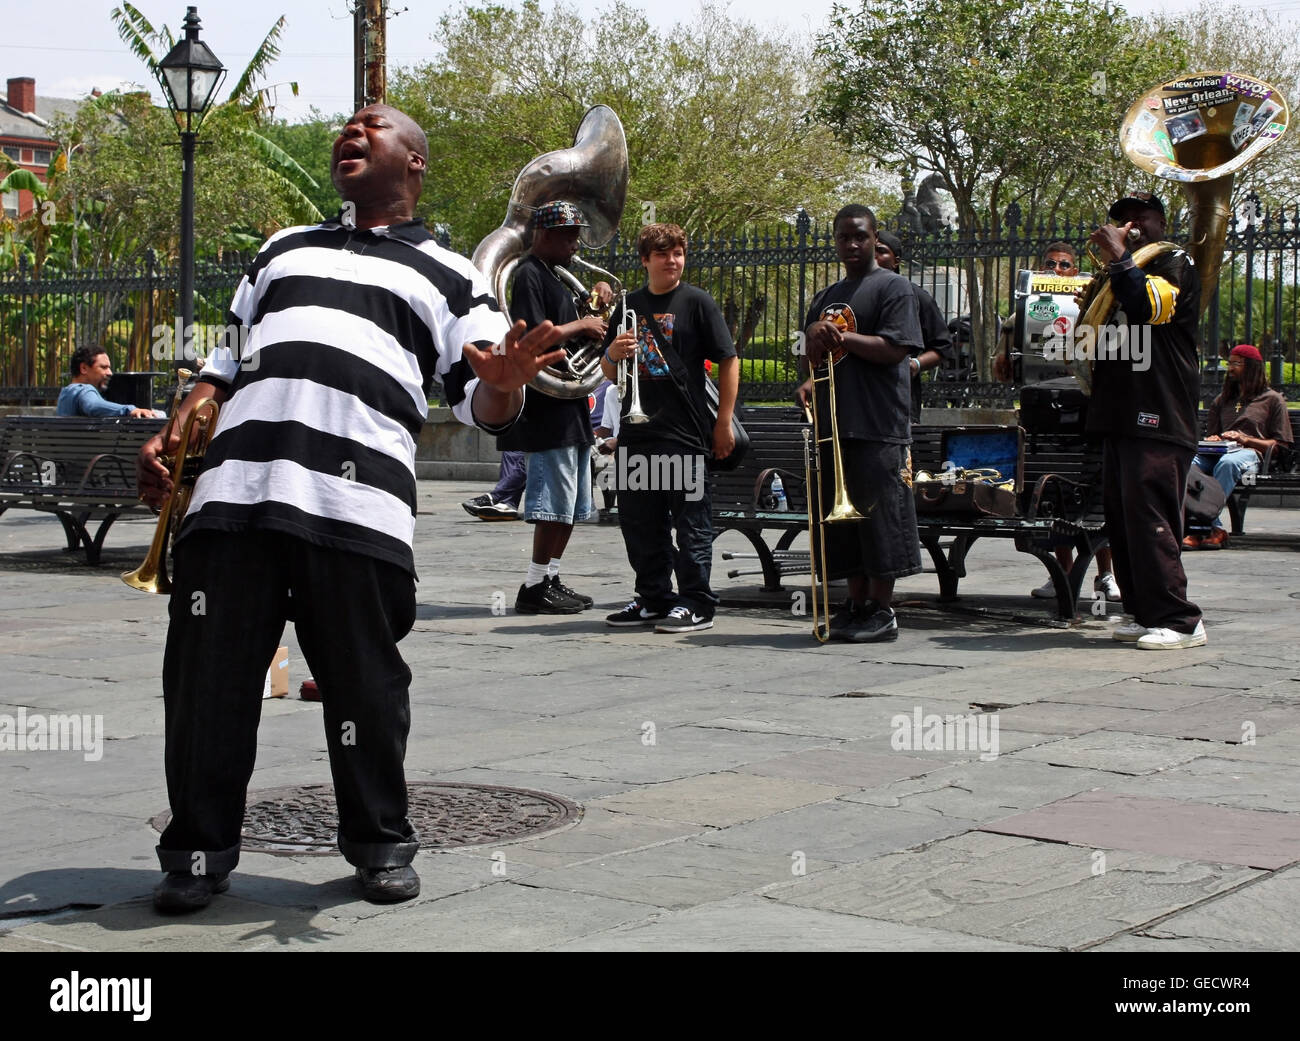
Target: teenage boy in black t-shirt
(663,480)
(936,339)
(867,324)
(554,433)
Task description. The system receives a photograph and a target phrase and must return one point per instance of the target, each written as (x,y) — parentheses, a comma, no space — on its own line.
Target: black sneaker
(682,619)
(388,885)
(472,506)
(878,626)
(633,615)
(544,598)
(572,594)
(498,511)
(842,619)
(182,891)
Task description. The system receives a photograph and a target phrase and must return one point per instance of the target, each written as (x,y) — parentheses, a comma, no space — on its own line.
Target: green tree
(715,113)
(1008,100)
(310,142)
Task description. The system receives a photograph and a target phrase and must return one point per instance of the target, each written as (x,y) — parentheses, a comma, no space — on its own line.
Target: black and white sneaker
(498,511)
(683,620)
(634,615)
(572,594)
(472,506)
(880,625)
(544,598)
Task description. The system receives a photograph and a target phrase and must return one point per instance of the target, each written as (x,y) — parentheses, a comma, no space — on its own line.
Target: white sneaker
(1170,640)
(1046,591)
(1129,632)
(1106,585)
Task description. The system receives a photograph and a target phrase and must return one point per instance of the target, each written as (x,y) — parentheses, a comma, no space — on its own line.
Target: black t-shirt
(546,422)
(692,324)
(1155,396)
(934,336)
(873,401)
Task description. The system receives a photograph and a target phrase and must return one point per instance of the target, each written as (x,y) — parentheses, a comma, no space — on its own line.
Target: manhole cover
(303,819)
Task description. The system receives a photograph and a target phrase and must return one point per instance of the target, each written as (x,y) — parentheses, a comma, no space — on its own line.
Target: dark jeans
(1144,482)
(231,596)
(648,519)
(510,479)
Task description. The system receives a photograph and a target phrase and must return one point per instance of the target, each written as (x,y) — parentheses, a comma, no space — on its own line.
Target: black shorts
(884,544)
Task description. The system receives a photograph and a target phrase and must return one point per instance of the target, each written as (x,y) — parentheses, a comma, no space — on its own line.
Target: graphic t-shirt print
(841,316)
(651,359)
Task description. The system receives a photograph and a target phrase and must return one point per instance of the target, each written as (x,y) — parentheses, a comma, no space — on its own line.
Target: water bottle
(778,493)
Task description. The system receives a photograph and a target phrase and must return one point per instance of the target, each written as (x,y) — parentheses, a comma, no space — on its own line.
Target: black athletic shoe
(572,594)
(682,619)
(472,506)
(182,891)
(388,885)
(544,598)
(634,615)
(878,626)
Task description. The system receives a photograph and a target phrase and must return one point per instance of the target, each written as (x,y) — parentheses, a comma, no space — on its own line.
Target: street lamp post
(190,76)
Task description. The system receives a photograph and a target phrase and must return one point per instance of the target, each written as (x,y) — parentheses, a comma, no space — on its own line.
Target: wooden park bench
(80,469)
(1061,498)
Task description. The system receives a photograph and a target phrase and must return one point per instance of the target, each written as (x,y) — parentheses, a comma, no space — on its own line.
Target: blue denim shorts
(559,484)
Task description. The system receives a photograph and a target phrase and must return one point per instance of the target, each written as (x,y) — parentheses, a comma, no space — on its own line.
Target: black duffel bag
(1056,406)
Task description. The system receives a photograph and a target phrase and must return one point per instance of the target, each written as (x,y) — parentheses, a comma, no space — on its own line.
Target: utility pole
(370,50)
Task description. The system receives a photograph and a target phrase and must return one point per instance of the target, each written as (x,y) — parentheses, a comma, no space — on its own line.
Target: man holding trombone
(862,330)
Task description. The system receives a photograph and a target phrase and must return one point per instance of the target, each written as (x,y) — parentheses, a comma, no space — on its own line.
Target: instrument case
(1056,406)
(964,448)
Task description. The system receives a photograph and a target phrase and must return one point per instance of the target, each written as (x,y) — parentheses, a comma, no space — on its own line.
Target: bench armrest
(102,468)
(12,469)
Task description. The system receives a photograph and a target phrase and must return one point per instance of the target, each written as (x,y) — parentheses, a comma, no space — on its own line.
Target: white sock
(553,568)
(536,572)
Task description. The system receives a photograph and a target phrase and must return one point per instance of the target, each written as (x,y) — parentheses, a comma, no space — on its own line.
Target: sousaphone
(1197,130)
(593,175)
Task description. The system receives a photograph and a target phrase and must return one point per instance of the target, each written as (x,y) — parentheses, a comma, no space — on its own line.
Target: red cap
(1246,350)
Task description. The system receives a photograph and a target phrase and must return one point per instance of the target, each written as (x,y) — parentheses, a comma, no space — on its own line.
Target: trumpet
(841,510)
(151,575)
(629,381)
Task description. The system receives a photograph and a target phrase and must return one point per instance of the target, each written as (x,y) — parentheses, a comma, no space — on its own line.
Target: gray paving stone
(1224,782)
(1059,717)
(1261,916)
(1115,752)
(977,791)
(749,923)
(998,683)
(1137,693)
(1280,747)
(1014,890)
(1222,675)
(1228,719)
(846,766)
(677,752)
(839,832)
(720,799)
(1191,831)
(675,875)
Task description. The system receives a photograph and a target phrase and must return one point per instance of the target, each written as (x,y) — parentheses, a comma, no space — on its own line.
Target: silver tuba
(593,175)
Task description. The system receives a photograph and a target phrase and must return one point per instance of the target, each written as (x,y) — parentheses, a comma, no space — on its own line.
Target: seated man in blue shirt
(91,371)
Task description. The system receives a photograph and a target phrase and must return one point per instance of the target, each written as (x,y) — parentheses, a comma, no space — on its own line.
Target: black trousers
(1144,482)
(648,519)
(231,596)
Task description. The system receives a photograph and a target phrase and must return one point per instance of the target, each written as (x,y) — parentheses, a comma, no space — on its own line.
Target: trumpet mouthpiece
(1133,234)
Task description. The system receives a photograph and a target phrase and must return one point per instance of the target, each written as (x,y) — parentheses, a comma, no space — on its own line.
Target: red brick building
(24,135)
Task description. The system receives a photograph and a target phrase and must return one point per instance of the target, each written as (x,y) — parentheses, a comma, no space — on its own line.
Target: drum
(1044,326)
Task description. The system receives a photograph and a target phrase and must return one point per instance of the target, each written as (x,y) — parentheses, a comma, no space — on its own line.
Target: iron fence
(763,279)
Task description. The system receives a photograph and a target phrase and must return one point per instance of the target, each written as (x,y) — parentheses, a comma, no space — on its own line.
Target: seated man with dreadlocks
(1252,417)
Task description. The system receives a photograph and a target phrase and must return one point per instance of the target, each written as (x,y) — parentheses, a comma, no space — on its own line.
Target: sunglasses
(1055,264)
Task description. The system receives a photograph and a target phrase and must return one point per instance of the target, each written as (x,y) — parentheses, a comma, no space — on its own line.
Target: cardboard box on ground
(277,677)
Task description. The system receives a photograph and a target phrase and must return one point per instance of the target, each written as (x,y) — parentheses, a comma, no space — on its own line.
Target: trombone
(628,369)
(841,510)
(151,575)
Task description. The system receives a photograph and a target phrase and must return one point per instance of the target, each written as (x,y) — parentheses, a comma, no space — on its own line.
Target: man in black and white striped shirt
(305,508)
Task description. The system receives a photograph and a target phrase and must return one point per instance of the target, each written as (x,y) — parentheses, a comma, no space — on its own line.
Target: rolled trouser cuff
(378,854)
(214,862)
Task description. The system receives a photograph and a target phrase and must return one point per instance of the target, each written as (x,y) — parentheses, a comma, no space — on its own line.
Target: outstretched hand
(511,364)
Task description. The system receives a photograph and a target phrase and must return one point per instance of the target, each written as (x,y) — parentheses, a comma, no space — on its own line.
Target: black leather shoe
(388,885)
(544,598)
(181,891)
(572,594)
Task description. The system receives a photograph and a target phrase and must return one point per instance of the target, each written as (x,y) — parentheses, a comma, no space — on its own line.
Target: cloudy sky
(70,46)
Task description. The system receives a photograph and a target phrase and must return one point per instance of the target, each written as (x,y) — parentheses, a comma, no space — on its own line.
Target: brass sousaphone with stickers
(1198,130)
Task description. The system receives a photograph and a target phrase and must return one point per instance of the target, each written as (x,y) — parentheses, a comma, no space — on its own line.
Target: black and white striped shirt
(343,332)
